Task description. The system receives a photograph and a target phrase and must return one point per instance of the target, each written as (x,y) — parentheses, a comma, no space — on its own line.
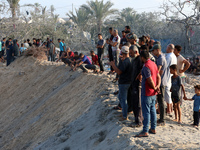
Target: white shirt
(26,45)
(116,39)
(171,60)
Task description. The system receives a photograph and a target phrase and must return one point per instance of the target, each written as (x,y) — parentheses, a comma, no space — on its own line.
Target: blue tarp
(164,43)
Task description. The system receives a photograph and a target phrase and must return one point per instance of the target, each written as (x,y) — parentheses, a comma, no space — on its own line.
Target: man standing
(124,72)
(51,50)
(162,69)
(115,46)
(150,86)
(61,47)
(135,88)
(123,39)
(48,43)
(100,52)
(64,44)
(110,55)
(128,28)
(171,60)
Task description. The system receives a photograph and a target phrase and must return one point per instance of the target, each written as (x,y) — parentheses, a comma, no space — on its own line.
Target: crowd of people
(149,81)
(10,49)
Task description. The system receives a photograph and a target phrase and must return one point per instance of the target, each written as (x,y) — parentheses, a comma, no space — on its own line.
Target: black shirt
(136,68)
(123,41)
(125,66)
(110,46)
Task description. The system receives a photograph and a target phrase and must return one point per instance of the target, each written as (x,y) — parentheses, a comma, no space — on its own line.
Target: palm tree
(37,8)
(81,18)
(99,11)
(13,7)
(52,9)
(129,16)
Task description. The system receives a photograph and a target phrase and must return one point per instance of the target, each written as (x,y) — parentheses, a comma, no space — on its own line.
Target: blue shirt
(146,73)
(61,46)
(161,61)
(86,60)
(196,103)
(22,49)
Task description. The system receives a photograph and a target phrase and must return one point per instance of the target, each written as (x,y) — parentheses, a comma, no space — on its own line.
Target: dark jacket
(15,48)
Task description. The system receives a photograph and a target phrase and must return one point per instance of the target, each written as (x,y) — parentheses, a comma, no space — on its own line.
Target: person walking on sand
(124,72)
(175,90)
(151,81)
(196,107)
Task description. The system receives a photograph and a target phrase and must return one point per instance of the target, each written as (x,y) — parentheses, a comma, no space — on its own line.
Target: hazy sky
(64,6)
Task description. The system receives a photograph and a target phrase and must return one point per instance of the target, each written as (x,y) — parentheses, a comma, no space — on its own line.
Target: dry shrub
(37,52)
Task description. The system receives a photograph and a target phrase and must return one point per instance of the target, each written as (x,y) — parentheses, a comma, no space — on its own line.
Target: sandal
(117,108)
(151,131)
(142,134)
(160,123)
(114,81)
(115,93)
(135,125)
(124,119)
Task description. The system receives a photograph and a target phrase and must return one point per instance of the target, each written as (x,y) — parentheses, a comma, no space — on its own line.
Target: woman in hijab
(15,49)
(9,52)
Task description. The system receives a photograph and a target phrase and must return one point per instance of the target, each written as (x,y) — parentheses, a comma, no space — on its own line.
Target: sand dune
(39,98)
(44,106)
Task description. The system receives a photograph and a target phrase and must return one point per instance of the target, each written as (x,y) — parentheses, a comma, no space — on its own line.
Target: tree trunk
(99,26)
(13,10)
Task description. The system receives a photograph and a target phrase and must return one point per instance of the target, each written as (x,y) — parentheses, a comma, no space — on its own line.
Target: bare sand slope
(44,106)
(39,98)
(100,129)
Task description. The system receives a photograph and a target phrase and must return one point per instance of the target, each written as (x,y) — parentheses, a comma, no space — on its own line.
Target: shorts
(1,54)
(168,95)
(175,99)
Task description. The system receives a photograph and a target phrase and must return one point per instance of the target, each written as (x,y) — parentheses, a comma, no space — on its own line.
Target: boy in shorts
(196,109)
(175,90)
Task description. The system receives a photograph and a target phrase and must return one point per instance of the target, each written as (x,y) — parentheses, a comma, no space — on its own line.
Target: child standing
(175,90)
(196,109)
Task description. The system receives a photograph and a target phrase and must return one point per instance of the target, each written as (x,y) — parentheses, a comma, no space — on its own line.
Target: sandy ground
(45,106)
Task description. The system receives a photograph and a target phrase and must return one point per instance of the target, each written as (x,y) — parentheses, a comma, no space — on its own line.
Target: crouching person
(82,62)
(95,64)
(124,72)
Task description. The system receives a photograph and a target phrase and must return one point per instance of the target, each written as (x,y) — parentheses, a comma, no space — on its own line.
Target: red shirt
(150,69)
(71,54)
(95,59)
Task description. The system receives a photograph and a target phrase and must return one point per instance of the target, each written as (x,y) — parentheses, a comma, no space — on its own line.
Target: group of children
(176,89)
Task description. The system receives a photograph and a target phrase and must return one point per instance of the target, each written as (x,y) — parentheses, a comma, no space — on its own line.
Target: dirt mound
(39,98)
(37,52)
